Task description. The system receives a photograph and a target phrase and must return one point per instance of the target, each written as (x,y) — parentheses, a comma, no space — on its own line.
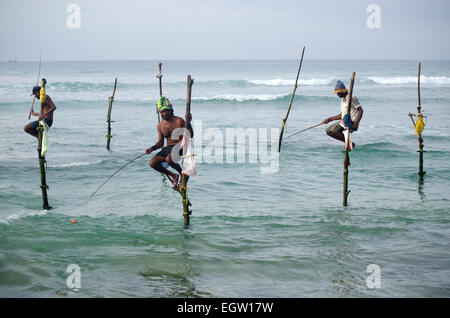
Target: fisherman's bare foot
(175,181)
(353,147)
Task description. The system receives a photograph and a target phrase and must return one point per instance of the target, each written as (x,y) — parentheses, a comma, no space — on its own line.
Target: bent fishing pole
(303,130)
(132,160)
(290,103)
(37,83)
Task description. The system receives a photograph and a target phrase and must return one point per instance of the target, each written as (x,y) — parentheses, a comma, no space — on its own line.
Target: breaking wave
(284,82)
(402,80)
(243,98)
(22,214)
(74,164)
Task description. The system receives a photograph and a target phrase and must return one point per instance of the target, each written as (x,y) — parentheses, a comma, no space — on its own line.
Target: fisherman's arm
(33,113)
(358,117)
(327,120)
(158,144)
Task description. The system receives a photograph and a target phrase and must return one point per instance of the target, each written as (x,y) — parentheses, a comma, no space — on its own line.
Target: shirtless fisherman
(356,113)
(47,113)
(169,122)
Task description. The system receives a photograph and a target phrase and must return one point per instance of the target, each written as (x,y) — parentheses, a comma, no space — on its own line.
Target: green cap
(164,104)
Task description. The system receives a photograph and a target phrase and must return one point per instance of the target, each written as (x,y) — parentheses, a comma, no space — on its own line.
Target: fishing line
(132,160)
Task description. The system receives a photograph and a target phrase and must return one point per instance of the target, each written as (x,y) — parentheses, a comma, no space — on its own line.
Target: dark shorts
(166,151)
(35,124)
(337,128)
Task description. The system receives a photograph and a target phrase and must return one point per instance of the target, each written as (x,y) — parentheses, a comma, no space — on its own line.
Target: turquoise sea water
(280,234)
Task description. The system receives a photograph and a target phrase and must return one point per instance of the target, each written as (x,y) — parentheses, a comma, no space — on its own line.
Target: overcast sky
(224,29)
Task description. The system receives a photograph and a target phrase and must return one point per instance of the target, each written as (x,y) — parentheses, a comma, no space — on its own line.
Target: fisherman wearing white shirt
(356,112)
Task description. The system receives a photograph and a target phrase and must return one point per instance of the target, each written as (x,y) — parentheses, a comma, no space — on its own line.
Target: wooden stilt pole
(290,102)
(419,114)
(183,189)
(419,110)
(108,118)
(42,161)
(159,76)
(347,146)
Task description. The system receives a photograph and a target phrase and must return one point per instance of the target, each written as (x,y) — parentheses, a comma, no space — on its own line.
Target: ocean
(262,225)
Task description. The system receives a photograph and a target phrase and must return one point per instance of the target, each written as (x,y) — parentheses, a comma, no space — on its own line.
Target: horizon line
(198,60)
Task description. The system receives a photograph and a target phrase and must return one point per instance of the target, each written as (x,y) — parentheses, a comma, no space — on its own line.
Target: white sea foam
(22,214)
(290,82)
(401,80)
(74,164)
(243,98)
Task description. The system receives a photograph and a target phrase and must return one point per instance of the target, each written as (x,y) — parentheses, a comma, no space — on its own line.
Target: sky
(224,29)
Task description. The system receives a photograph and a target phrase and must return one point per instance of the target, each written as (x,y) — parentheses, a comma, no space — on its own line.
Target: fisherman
(48,107)
(356,112)
(169,122)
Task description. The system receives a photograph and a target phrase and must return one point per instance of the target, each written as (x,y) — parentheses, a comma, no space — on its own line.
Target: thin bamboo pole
(108,118)
(42,161)
(346,156)
(290,102)
(421,145)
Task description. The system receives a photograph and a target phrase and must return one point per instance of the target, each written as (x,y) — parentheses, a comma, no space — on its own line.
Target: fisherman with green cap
(169,123)
(352,122)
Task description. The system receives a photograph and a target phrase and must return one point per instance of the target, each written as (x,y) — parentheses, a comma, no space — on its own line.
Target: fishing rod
(303,130)
(117,172)
(290,102)
(37,83)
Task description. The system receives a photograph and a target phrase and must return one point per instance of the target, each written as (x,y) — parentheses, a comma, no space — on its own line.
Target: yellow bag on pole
(42,94)
(420,125)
